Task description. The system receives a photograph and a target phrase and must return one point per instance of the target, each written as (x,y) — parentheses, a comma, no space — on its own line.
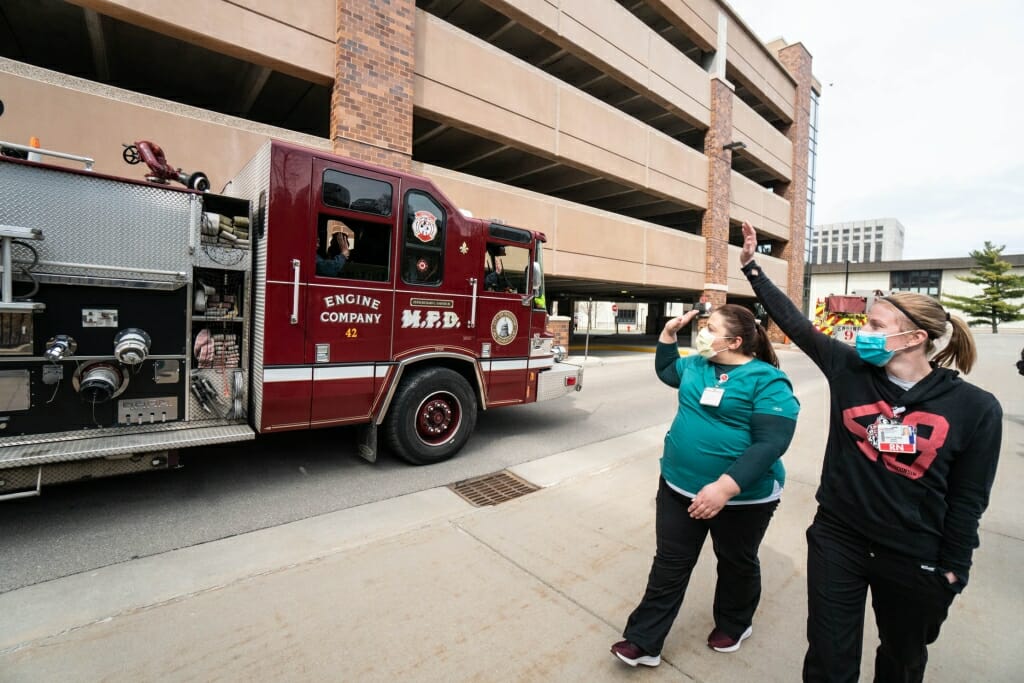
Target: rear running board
(90,445)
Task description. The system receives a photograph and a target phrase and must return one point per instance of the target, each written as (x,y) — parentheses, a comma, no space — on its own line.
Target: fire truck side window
(353,249)
(423,245)
(347,191)
(505,268)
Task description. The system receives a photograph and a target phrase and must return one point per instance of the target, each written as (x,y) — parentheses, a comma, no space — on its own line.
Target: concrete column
(371,106)
(714,227)
(797,61)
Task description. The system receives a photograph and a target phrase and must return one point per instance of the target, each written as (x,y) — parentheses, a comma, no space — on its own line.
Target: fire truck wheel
(432,416)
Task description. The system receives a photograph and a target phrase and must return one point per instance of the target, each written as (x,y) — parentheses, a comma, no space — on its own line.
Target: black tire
(431,417)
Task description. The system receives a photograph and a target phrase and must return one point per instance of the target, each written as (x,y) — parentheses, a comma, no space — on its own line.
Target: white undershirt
(903,384)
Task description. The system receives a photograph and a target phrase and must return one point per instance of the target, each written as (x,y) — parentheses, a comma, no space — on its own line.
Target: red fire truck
(138,319)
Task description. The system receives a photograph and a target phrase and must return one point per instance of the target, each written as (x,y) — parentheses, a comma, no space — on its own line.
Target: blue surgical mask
(871,347)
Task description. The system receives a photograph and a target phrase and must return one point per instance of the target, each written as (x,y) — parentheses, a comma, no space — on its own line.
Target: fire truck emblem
(424,226)
(504,327)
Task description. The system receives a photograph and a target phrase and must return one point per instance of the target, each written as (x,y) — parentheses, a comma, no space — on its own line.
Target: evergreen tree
(998,286)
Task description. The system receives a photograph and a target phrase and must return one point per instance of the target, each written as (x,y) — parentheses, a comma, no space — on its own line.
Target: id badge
(897,438)
(712,396)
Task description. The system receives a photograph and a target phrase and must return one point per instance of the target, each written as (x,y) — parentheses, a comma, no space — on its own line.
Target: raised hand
(749,244)
(675,324)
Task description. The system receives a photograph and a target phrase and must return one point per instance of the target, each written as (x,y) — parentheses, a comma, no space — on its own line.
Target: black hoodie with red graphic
(925,504)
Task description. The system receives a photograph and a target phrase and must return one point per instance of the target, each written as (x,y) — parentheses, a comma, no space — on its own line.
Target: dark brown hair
(740,322)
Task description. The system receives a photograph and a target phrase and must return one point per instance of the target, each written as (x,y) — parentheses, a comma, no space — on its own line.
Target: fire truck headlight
(131,346)
(101,382)
(559,352)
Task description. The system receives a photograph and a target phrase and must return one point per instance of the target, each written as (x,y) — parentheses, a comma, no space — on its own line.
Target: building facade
(637,135)
(869,241)
(934,277)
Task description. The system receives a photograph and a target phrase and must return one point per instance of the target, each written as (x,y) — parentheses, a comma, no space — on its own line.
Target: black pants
(910,599)
(736,534)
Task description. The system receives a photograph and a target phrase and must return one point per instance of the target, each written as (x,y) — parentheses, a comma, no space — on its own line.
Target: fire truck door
(350,297)
(503,321)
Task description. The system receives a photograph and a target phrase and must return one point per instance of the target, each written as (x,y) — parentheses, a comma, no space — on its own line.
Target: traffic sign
(615,308)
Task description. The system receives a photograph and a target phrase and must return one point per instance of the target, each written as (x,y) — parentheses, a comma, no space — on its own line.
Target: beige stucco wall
(765,210)
(774,268)
(37,102)
(607,35)
(698,19)
(765,143)
(295,38)
(582,242)
(764,74)
(528,108)
(516,102)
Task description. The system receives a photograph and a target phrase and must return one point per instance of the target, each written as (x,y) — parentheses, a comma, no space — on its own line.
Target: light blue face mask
(871,347)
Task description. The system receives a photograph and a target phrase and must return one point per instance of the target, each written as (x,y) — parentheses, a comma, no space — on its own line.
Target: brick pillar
(371,105)
(558,327)
(797,61)
(714,227)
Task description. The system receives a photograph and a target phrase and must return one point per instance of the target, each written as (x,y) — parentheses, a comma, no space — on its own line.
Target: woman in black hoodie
(908,467)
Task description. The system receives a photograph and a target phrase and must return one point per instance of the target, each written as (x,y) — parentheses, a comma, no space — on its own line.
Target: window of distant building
(921,281)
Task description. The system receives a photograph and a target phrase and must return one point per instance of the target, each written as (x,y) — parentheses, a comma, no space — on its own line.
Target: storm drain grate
(492,489)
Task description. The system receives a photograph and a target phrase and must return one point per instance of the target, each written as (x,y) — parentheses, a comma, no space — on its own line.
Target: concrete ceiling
(69,39)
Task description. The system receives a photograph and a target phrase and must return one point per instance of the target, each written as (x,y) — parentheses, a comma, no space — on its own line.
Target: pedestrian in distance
(909,463)
(720,474)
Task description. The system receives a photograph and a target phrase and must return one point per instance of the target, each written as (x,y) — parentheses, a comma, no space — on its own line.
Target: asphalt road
(234,489)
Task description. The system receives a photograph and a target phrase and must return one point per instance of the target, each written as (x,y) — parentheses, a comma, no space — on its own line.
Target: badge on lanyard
(712,396)
(889,435)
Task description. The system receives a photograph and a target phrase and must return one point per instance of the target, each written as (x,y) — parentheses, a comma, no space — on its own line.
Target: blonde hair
(925,313)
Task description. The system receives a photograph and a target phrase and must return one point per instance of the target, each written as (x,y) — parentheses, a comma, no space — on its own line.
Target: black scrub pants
(736,534)
(910,598)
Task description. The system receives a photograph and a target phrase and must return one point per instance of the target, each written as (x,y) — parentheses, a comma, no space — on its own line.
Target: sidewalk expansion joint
(555,589)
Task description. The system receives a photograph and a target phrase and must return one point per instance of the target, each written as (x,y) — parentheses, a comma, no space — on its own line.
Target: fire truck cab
(138,318)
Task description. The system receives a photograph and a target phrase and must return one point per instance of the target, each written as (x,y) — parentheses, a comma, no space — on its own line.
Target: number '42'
(352,332)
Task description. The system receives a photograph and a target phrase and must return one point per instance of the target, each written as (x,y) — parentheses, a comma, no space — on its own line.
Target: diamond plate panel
(101,443)
(20,478)
(122,227)
(250,182)
(551,383)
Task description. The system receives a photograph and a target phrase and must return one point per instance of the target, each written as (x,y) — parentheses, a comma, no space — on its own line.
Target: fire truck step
(71,446)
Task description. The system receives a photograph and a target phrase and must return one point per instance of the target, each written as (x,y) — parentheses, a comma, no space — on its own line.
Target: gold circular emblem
(504,327)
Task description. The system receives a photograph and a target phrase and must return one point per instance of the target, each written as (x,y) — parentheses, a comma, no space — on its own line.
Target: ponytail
(925,313)
(763,348)
(740,322)
(960,351)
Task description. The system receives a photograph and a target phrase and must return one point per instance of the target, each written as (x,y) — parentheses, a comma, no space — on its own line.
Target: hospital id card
(712,396)
(897,438)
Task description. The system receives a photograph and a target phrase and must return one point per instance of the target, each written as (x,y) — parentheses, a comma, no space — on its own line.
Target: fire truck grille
(492,489)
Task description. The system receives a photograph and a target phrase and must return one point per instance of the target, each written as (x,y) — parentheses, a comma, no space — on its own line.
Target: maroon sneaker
(632,654)
(720,641)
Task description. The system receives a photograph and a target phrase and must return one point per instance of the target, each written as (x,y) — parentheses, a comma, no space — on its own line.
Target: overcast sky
(922,114)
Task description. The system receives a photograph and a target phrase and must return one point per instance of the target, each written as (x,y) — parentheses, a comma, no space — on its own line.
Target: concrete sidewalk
(427,588)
